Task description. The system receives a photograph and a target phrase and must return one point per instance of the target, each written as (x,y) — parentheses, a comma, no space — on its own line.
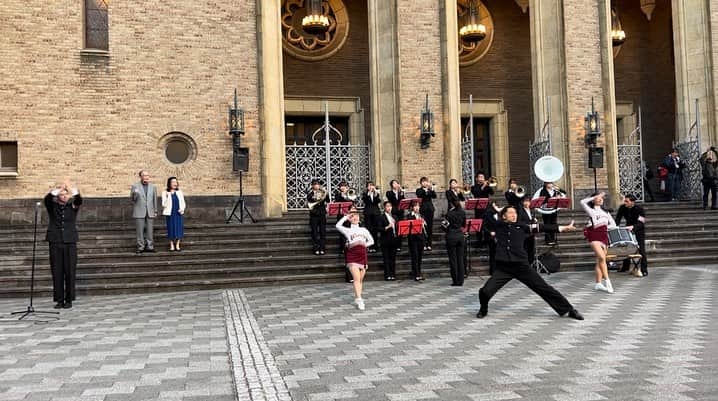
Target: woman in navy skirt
(173,206)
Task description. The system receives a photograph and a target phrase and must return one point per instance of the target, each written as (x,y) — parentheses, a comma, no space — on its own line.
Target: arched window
(96,25)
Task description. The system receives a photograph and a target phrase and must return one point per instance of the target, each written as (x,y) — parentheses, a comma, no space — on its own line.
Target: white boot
(609,287)
(360,303)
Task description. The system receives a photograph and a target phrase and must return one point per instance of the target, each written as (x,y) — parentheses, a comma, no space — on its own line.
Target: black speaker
(240,159)
(551,261)
(595,157)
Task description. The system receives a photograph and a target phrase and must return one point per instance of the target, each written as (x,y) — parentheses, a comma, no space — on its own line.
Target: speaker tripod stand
(241,205)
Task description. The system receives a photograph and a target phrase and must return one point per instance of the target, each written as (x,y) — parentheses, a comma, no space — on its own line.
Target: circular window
(178,148)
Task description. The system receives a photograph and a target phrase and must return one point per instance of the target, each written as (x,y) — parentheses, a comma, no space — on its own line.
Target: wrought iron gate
(690,151)
(630,163)
(539,149)
(331,163)
(467,147)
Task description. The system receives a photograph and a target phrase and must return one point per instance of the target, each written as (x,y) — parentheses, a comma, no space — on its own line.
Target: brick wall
(645,74)
(419,36)
(505,73)
(172,66)
(346,73)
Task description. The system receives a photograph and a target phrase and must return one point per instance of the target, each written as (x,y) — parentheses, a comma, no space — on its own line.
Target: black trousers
(492,256)
(388,254)
(318,224)
(530,246)
(416,250)
(429,219)
(709,188)
(550,219)
(371,221)
(455,249)
(397,218)
(641,239)
(530,278)
(63,263)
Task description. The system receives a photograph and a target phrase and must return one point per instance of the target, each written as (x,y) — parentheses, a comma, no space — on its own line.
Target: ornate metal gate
(630,163)
(467,147)
(330,162)
(539,149)
(690,152)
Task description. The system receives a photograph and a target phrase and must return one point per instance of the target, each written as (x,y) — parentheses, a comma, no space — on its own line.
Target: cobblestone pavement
(653,339)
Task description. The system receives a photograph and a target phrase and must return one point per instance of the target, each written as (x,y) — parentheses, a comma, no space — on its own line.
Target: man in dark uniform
(426,193)
(481,188)
(512,263)
(387,227)
(635,221)
(395,195)
(372,210)
(62,204)
(318,218)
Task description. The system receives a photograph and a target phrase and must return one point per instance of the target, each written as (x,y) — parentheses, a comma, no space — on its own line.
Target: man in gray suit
(144,197)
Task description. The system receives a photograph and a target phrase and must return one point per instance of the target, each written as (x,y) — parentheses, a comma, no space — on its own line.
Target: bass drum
(621,242)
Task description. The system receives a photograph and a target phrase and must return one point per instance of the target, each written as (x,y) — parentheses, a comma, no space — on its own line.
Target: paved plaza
(653,339)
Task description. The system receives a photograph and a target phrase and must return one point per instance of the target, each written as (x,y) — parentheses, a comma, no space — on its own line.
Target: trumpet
(352,194)
(493,182)
(321,196)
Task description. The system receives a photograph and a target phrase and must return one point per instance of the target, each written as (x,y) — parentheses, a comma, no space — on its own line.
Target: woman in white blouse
(358,239)
(596,232)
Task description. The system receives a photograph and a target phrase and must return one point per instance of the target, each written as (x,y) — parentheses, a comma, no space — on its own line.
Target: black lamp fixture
(473,30)
(315,22)
(240,159)
(618,35)
(593,126)
(427,125)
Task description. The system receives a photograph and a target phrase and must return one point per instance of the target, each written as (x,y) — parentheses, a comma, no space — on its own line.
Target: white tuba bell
(548,169)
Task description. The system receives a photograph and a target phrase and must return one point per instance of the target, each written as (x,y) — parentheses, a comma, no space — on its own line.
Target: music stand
(558,203)
(410,227)
(476,204)
(471,226)
(339,208)
(536,203)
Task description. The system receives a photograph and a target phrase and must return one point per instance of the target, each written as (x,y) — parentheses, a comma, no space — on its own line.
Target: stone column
(695,67)
(608,84)
(271,109)
(386,145)
(450,84)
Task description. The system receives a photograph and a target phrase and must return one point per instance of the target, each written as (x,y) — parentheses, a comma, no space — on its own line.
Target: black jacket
(387,235)
(62,219)
(321,208)
(426,196)
(632,215)
(512,199)
(480,192)
(394,200)
(510,238)
(372,207)
(457,220)
(450,196)
(523,217)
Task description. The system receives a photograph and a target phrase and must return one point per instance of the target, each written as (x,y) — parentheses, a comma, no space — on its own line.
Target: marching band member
(510,194)
(416,242)
(426,193)
(389,239)
(455,241)
(454,193)
(358,240)
(596,232)
(512,263)
(549,216)
(635,222)
(340,195)
(395,195)
(481,189)
(318,217)
(526,217)
(372,210)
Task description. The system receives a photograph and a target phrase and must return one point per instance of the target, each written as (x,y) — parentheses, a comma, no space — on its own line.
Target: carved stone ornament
(309,47)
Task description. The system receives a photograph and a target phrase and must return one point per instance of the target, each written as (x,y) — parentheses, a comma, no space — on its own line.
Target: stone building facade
(168,73)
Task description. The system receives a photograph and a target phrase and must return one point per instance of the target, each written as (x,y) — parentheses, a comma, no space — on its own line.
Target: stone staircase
(278,251)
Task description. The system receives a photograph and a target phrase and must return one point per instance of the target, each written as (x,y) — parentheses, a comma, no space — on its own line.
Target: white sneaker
(360,303)
(609,287)
(600,287)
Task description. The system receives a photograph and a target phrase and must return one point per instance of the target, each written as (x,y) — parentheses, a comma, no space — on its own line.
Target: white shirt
(355,235)
(598,216)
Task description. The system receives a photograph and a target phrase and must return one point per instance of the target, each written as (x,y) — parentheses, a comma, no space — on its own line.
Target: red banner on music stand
(476,204)
(412,226)
(342,208)
(560,203)
(536,203)
(405,204)
(472,225)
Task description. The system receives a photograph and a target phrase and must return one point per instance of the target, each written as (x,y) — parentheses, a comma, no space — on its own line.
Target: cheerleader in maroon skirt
(358,239)
(596,233)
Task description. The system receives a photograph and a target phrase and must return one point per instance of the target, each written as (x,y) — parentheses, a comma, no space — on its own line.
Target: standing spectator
(173,207)
(709,167)
(144,197)
(62,204)
(674,165)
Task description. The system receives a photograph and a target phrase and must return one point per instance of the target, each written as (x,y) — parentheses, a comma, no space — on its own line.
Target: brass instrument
(519,192)
(467,191)
(493,182)
(321,196)
(352,194)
